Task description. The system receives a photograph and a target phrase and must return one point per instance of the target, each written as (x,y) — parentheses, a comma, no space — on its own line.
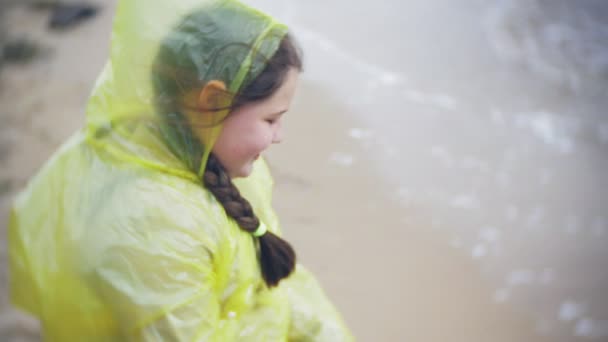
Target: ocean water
(489,118)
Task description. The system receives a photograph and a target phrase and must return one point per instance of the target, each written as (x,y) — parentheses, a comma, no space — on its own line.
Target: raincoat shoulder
(121,248)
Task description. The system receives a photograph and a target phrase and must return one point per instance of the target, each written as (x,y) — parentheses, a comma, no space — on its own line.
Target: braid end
(277,258)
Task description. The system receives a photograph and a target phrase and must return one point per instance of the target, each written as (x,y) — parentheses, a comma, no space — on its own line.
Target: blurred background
(444,170)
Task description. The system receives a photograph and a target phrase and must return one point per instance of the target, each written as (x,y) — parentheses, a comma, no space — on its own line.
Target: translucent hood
(162,54)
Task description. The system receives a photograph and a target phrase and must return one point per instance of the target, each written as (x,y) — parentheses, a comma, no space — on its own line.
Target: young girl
(154,222)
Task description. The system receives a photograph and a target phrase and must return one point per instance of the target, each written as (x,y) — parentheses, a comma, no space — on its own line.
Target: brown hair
(277,257)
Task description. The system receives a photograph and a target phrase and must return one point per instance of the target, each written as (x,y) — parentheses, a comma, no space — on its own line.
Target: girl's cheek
(266,133)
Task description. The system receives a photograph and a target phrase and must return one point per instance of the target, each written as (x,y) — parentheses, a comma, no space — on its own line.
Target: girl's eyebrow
(279,113)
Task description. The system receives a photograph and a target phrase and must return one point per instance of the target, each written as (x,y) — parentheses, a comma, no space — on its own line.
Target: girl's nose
(277,136)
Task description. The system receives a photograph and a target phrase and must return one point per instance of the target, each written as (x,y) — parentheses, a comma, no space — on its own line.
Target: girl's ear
(213,96)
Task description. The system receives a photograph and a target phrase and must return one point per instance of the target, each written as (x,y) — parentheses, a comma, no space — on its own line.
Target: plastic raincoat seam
(238,79)
(127,157)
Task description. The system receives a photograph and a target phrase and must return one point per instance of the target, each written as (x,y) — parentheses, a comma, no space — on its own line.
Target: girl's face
(251,129)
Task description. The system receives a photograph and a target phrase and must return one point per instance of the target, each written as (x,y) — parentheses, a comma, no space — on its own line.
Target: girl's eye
(270,121)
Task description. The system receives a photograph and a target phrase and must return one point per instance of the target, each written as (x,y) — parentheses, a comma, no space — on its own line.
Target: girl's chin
(244,171)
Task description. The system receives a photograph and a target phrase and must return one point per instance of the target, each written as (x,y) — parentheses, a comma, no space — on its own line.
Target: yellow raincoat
(116,239)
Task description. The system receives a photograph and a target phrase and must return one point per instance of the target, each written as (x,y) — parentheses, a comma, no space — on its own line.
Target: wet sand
(393,278)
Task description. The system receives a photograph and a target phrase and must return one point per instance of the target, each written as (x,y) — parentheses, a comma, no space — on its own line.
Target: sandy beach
(391,275)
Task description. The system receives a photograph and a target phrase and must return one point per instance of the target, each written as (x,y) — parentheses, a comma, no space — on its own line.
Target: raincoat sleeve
(313,317)
(159,279)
